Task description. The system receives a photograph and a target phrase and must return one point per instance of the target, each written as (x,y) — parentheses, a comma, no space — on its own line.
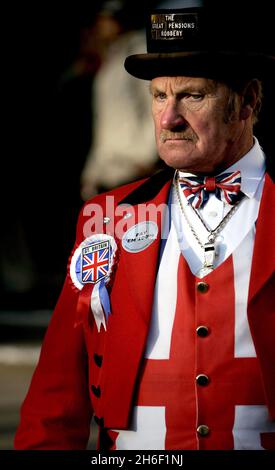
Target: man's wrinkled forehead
(183,84)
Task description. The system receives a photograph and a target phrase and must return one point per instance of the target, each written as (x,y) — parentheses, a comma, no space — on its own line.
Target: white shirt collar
(252,167)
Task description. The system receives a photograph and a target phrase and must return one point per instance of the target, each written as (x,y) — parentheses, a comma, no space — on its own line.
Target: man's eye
(196,96)
(160,96)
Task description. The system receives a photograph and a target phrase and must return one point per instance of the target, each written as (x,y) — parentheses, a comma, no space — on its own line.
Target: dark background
(48,133)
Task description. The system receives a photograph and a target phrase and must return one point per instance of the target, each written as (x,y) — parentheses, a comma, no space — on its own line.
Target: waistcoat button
(203,430)
(202,287)
(202,331)
(202,380)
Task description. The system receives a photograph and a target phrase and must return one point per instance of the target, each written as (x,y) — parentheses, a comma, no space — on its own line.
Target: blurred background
(75,124)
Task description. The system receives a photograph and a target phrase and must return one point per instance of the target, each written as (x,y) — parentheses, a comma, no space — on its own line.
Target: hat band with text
(168,31)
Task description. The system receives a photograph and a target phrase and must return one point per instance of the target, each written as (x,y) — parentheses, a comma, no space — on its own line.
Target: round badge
(140,236)
(93,260)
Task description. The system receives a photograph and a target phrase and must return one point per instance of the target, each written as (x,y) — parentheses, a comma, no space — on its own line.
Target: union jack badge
(95,261)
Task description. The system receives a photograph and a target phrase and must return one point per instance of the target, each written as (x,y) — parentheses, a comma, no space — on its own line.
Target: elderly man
(165,326)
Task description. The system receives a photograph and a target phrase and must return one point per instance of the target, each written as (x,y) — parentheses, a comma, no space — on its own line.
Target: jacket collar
(149,189)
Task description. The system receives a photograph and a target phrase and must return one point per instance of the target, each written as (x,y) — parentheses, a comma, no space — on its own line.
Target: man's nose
(171,117)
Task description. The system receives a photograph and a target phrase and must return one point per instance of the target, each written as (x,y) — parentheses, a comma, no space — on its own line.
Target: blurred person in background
(164,330)
(123,145)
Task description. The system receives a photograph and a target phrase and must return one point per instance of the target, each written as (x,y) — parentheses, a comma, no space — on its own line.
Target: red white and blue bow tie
(226,187)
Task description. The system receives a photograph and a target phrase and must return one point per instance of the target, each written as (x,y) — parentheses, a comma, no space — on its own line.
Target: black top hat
(214,41)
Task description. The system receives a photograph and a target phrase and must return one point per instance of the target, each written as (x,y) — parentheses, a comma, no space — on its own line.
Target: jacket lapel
(261,294)
(263,262)
(131,304)
(140,268)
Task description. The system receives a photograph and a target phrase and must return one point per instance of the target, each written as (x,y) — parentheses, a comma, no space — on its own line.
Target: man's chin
(175,160)
(175,164)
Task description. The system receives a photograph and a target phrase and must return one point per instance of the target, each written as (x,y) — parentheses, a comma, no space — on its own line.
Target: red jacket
(82,371)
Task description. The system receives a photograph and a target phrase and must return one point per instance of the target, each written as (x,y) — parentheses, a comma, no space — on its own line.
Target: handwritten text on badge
(140,236)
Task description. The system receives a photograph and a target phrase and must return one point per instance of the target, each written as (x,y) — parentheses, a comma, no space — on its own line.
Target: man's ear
(250,97)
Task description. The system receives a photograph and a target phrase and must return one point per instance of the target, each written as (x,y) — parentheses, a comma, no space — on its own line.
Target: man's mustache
(183,135)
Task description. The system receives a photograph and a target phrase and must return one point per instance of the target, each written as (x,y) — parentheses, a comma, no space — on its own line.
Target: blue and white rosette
(92,264)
